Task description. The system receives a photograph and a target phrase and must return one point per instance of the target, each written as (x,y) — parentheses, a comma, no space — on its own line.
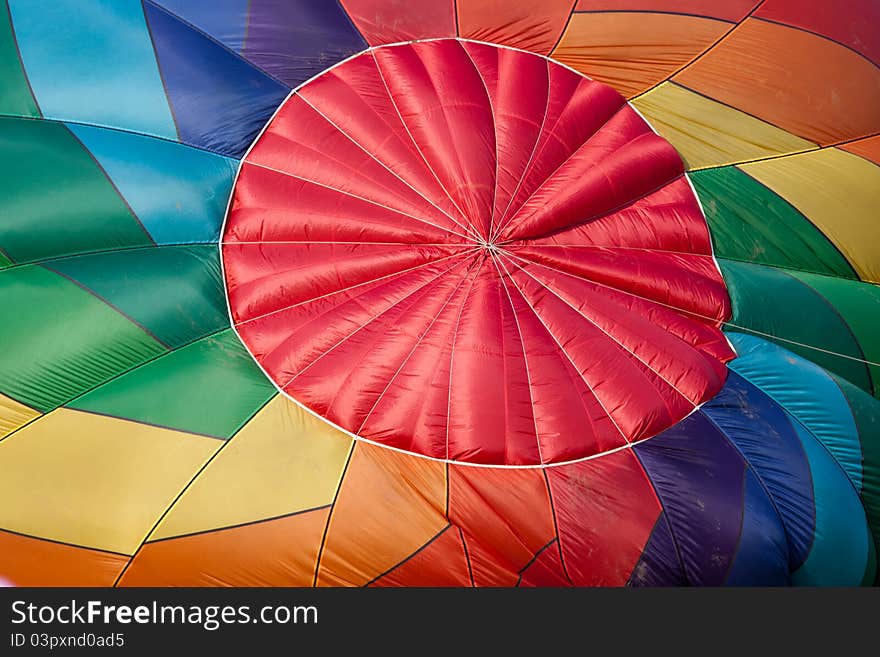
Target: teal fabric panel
(178,192)
(93,62)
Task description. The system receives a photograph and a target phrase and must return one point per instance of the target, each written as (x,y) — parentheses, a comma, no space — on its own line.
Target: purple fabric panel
(294,40)
(698,476)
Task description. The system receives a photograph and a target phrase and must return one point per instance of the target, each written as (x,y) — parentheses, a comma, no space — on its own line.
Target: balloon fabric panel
(868,148)
(707,133)
(290,305)
(800,82)
(657,45)
(727,10)
(59,45)
(837,25)
(382,22)
(17,98)
(219,100)
(395,278)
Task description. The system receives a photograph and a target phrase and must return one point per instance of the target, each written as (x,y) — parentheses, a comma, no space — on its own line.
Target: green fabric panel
(56,199)
(866,412)
(59,340)
(774,303)
(209,387)
(15,93)
(174,292)
(859,304)
(748,222)
(4,261)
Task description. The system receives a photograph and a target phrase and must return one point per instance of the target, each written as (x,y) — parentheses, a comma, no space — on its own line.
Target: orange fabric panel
(280,552)
(508,514)
(441,562)
(28,561)
(634,51)
(527,24)
(727,10)
(605,509)
(867,148)
(851,22)
(389,505)
(795,80)
(390,21)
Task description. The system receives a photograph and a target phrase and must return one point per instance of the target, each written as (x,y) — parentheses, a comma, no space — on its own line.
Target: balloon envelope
(469,293)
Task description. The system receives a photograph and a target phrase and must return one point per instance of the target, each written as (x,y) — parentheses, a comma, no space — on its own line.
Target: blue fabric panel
(807,392)
(762,556)
(698,476)
(179,193)
(92,62)
(840,553)
(294,40)
(220,102)
(659,564)
(764,434)
(224,20)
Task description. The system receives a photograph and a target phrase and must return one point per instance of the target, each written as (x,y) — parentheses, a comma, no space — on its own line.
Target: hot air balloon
(455,293)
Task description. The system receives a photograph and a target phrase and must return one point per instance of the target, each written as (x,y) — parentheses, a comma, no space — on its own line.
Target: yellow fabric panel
(94,481)
(631,51)
(283,460)
(707,133)
(14,414)
(839,192)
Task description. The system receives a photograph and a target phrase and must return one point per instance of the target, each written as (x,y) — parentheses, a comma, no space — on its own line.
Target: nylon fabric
(453,312)
(504,274)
